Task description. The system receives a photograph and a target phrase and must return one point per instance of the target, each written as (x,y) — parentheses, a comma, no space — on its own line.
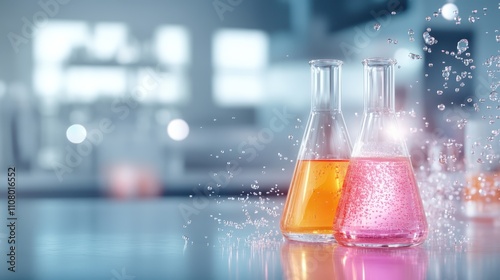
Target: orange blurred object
(482,194)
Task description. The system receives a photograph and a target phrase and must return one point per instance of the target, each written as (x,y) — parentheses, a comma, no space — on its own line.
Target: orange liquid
(313,196)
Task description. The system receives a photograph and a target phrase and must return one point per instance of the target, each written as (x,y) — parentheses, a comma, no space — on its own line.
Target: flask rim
(379,61)
(324,62)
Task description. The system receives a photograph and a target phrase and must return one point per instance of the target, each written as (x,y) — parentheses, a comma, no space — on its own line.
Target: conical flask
(322,161)
(380,205)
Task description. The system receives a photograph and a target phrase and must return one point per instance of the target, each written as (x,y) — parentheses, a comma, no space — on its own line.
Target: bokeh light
(178,129)
(76,133)
(449,11)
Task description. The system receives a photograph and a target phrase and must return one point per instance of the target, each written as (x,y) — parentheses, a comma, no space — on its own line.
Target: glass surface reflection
(331,261)
(301,260)
(387,264)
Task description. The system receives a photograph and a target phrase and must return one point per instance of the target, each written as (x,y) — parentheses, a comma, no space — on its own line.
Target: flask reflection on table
(386,264)
(301,260)
(305,260)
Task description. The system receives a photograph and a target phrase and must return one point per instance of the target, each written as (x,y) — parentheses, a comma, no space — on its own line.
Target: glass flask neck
(379,85)
(326,84)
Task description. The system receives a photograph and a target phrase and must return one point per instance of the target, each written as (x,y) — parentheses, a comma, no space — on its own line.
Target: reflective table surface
(224,238)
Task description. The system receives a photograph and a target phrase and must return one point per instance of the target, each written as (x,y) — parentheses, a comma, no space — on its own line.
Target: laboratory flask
(322,160)
(380,205)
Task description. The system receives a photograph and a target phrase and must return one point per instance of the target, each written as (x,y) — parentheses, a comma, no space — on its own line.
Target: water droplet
(462,46)
(389,40)
(497,37)
(493,96)
(376,26)
(431,65)
(428,39)
(393,13)
(441,107)
(458,78)
(472,19)
(469,100)
(439,92)
(474,11)
(414,56)
(290,137)
(209,188)
(254,186)
(428,18)
(457,89)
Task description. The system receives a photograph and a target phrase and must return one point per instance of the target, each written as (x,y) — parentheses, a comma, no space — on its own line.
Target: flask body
(322,161)
(380,205)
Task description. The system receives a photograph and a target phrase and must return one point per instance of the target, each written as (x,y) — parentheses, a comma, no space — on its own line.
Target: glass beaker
(380,205)
(322,160)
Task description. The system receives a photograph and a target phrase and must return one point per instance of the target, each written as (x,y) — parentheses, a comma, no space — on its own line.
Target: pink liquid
(380,205)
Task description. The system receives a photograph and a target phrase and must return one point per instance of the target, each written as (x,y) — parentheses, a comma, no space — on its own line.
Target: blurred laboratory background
(143,98)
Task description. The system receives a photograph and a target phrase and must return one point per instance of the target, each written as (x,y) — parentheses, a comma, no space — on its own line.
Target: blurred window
(78,63)
(240,58)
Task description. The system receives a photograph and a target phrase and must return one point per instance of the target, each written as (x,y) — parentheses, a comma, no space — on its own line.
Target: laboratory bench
(216,237)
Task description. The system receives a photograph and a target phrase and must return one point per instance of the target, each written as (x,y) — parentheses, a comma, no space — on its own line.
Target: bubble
(497,37)
(431,64)
(441,107)
(446,72)
(458,78)
(493,96)
(428,18)
(462,46)
(389,40)
(472,19)
(376,26)
(428,39)
(254,186)
(393,13)
(439,92)
(414,56)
